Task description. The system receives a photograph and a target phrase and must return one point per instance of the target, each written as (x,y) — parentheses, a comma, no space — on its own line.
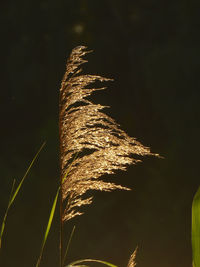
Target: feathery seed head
(85,128)
(132,262)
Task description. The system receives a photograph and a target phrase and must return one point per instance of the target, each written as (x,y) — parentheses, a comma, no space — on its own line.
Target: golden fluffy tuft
(91,143)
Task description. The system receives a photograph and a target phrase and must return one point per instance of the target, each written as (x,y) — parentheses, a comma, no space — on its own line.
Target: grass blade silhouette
(6,213)
(90,260)
(16,191)
(196,229)
(68,244)
(51,216)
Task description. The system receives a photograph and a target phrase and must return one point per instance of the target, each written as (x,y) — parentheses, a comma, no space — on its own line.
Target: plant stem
(61,230)
(61,183)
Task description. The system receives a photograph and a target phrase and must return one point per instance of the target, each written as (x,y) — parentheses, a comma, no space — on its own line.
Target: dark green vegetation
(196,229)
(151,49)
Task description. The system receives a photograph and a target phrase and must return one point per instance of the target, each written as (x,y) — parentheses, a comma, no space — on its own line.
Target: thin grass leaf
(62,180)
(48,227)
(6,213)
(68,244)
(196,229)
(25,175)
(14,195)
(69,168)
(91,260)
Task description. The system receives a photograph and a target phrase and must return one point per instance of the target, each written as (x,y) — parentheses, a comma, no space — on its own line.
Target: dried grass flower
(91,143)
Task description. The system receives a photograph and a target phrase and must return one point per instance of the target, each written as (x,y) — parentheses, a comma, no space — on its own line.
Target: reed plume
(132,262)
(91,143)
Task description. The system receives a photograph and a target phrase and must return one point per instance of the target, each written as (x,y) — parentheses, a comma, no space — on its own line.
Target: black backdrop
(151,49)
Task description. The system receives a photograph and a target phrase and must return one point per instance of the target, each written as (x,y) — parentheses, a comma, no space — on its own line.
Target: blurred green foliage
(196,229)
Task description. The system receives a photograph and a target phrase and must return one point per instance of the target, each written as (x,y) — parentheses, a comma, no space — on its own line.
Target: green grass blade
(68,244)
(6,213)
(196,229)
(90,260)
(16,191)
(27,171)
(69,168)
(48,227)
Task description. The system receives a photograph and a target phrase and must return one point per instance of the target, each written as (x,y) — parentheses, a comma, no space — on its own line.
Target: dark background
(151,49)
